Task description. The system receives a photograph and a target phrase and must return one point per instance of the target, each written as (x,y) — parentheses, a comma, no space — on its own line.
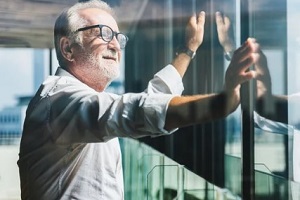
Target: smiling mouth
(110,58)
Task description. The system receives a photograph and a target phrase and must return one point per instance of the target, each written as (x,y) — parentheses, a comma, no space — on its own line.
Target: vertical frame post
(247,105)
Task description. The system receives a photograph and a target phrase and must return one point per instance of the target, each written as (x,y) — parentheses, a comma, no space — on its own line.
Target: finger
(242,48)
(201,18)
(250,39)
(247,76)
(243,77)
(226,21)
(246,73)
(193,20)
(247,44)
(243,65)
(219,18)
(245,51)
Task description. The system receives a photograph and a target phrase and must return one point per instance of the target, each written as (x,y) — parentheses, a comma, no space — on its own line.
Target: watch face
(187,51)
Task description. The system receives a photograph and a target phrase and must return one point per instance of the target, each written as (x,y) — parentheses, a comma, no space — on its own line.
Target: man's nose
(114,43)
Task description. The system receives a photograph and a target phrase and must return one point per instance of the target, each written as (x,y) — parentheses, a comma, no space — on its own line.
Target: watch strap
(187,51)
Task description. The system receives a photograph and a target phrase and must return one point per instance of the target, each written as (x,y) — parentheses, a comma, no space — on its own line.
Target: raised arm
(189,110)
(194,37)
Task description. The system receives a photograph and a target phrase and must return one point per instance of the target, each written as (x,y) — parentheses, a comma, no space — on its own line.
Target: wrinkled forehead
(94,16)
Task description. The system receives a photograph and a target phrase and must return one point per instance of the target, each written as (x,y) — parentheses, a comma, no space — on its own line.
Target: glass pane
(138,160)
(277,133)
(155,29)
(22,72)
(270,186)
(233,141)
(198,188)
(233,174)
(266,17)
(293,87)
(175,182)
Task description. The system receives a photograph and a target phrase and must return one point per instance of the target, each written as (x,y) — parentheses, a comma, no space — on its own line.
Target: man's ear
(65,47)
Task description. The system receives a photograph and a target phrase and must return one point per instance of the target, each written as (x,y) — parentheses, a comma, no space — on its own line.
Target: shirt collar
(62,72)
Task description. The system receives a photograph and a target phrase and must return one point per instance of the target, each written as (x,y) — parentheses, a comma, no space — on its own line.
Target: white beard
(98,71)
(107,69)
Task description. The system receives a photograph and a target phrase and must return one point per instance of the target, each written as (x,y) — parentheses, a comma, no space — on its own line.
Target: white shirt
(69,147)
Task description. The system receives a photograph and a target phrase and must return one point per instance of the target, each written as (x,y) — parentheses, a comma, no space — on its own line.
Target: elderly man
(69,147)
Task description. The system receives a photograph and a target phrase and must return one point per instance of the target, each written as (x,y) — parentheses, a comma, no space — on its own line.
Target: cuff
(170,76)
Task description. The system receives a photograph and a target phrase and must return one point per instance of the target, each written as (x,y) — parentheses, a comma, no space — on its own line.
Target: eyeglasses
(107,34)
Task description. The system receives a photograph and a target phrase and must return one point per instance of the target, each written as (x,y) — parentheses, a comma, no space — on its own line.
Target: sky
(16,74)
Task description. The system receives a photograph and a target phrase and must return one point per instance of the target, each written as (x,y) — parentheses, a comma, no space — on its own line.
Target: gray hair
(69,21)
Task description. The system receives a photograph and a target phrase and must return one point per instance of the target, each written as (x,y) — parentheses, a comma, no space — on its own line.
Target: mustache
(110,53)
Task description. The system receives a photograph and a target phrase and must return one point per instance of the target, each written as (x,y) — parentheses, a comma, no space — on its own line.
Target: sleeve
(271,126)
(78,114)
(279,127)
(167,81)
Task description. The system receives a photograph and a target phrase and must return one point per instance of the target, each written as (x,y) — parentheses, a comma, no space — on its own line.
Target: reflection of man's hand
(195,31)
(223,29)
(263,78)
(273,107)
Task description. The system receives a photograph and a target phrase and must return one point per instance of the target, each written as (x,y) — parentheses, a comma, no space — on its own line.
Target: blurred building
(11,122)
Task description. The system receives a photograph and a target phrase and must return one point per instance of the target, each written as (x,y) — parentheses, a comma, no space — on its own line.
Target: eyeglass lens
(107,35)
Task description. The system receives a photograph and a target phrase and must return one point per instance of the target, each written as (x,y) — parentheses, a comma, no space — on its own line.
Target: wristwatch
(187,51)
(228,55)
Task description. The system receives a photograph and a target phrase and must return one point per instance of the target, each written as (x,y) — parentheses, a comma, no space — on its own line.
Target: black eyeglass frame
(114,34)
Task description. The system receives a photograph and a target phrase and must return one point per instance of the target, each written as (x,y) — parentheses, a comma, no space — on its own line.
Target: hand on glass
(195,30)
(238,71)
